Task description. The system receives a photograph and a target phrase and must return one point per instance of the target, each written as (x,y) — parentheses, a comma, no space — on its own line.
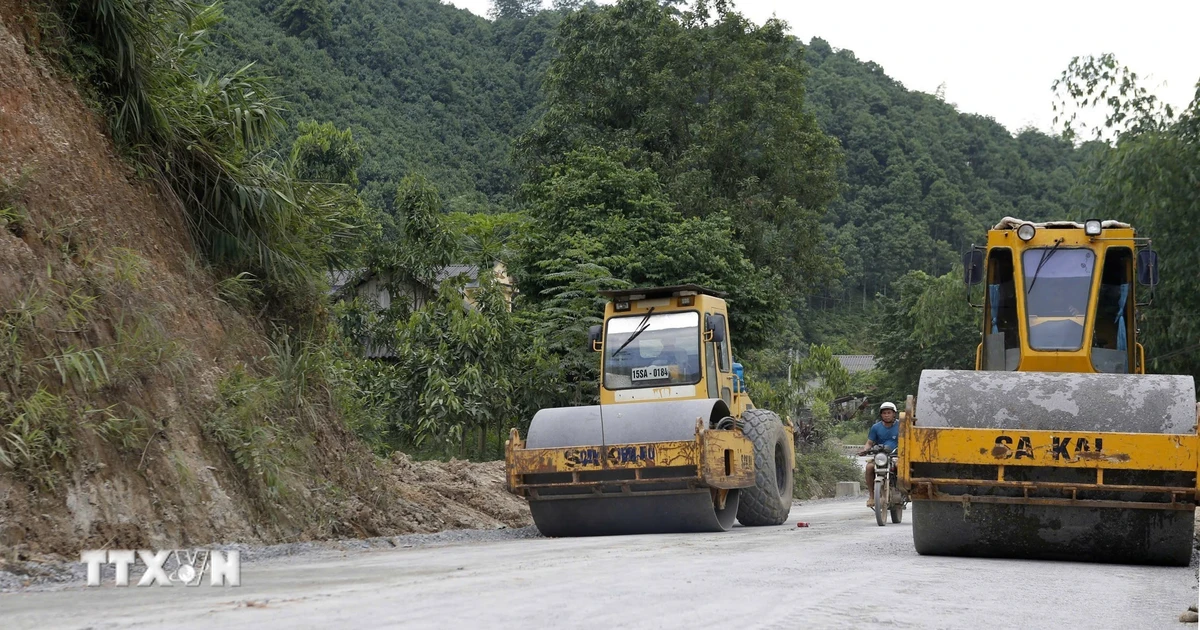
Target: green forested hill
(426,88)
(922,179)
(435,90)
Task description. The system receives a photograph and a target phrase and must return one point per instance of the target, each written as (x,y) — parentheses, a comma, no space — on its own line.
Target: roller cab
(675,444)
(1057,445)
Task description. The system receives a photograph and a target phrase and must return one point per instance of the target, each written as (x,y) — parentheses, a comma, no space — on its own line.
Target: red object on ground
(801,524)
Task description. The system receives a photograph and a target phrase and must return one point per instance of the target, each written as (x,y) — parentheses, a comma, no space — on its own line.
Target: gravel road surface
(842,571)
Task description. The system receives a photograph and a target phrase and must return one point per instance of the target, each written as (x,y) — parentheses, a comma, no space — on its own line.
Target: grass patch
(853,436)
(128,432)
(246,423)
(818,471)
(35,436)
(13,216)
(143,349)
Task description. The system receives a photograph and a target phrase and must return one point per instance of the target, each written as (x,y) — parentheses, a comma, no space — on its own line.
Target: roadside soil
(445,502)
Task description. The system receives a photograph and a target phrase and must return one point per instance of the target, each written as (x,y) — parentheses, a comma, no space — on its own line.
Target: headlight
(1025,232)
(881,459)
(1092,227)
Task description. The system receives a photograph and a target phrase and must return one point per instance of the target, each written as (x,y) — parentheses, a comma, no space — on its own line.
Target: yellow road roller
(675,445)
(1057,446)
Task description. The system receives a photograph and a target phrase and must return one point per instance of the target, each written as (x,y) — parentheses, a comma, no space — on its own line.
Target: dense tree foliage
(435,90)
(593,210)
(674,148)
(925,323)
(428,88)
(714,105)
(923,180)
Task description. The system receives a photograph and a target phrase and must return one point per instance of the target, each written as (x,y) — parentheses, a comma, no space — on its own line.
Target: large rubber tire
(770,500)
(897,513)
(880,503)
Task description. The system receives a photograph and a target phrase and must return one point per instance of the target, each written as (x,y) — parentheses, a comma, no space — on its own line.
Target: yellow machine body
(1052,448)
(667,435)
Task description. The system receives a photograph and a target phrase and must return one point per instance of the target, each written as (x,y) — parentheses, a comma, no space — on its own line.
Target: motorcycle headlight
(881,459)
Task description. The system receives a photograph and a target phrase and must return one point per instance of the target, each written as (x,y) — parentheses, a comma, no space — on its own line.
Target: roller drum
(685,510)
(1048,401)
(626,423)
(1052,532)
(1040,401)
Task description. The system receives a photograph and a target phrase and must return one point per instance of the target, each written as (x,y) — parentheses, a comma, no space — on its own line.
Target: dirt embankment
(114,346)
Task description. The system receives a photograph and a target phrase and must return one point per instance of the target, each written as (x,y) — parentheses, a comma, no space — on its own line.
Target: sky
(997,59)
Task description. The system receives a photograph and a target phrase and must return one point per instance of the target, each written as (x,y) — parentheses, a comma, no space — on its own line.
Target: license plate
(652,373)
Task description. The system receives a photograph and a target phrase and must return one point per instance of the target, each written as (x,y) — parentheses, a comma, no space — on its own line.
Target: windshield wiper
(1046,255)
(641,328)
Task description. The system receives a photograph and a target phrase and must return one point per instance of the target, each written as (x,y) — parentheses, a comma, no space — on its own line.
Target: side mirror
(715,332)
(973,267)
(1147,267)
(594,343)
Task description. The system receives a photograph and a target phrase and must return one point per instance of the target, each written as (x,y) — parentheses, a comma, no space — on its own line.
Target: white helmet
(887,405)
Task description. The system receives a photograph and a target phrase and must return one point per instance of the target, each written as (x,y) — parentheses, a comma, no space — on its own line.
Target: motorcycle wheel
(880,501)
(897,508)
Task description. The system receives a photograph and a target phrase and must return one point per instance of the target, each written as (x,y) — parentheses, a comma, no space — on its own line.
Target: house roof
(856,362)
(451,271)
(339,278)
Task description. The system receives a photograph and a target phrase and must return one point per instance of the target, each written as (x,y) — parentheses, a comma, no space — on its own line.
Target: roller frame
(983,447)
(721,459)
(1164,522)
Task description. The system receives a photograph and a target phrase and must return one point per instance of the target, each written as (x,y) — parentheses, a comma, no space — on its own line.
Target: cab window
(1058,286)
(1002,330)
(722,349)
(1111,336)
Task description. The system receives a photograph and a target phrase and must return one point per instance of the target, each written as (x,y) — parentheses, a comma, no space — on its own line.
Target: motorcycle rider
(886,432)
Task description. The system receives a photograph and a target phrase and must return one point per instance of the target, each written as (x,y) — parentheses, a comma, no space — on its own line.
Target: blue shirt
(880,434)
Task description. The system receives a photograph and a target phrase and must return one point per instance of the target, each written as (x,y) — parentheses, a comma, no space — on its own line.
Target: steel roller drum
(1128,403)
(1051,532)
(1047,401)
(678,512)
(666,511)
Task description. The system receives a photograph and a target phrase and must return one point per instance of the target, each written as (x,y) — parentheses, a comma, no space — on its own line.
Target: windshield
(666,352)
(1057,303)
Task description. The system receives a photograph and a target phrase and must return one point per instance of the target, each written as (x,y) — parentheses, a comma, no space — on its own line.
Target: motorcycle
(888,497)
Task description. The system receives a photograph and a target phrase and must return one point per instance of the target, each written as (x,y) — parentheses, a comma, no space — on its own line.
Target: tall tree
(925,323)
(305,18)
(711,103)
(324,153)
(592,211)
(514,9)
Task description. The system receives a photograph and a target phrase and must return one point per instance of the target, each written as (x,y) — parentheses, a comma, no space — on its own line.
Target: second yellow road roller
(675,445)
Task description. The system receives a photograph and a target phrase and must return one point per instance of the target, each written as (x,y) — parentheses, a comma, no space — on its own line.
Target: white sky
(997,58)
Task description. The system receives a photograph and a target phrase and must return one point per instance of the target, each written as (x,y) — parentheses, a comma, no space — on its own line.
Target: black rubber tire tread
(764,504)
(880,519)
(897,513)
